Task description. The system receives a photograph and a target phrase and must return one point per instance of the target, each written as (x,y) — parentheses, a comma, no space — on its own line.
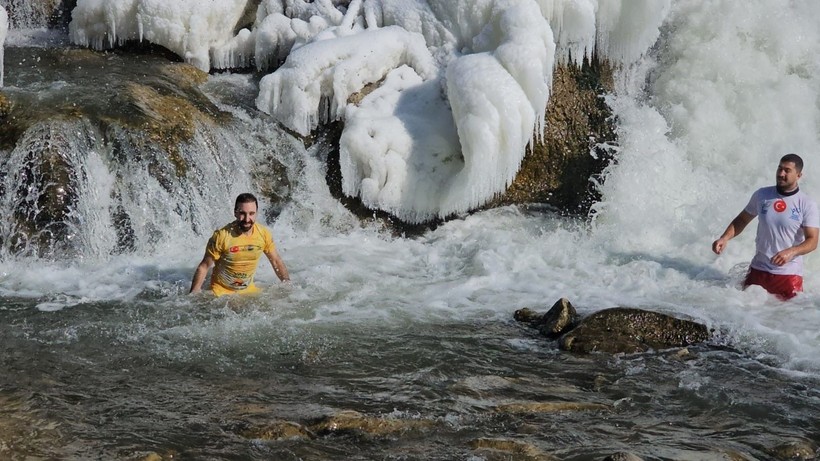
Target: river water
(107,357)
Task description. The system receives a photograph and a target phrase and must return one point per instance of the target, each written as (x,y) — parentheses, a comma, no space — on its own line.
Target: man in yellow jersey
(235,251)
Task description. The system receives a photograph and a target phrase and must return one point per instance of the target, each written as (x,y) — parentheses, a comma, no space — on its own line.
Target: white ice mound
(316,80)
(189,28)
(4,28)
(282,25)
(407,151)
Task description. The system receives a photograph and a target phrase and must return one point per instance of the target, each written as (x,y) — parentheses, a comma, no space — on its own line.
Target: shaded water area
(204,379)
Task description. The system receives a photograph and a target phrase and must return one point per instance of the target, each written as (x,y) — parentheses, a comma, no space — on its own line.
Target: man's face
(787,176)
(245,214)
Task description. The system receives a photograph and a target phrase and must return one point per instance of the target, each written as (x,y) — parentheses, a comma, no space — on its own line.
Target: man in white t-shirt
(787,229)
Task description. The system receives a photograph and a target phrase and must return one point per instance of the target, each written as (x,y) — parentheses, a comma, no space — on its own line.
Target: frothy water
(110,350)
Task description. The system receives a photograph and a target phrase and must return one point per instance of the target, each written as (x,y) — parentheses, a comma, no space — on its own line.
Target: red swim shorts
(783,286)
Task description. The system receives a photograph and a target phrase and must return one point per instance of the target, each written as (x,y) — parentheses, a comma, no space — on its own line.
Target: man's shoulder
(805,196)
(226,229)
(263,230)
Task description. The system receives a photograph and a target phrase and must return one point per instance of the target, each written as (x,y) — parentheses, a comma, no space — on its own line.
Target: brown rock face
(627,330)
(557,169)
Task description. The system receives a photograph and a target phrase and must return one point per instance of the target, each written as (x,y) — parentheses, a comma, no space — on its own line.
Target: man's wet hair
(794,158)
(247,197)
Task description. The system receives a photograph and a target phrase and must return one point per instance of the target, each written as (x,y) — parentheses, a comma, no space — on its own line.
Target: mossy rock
(629,330)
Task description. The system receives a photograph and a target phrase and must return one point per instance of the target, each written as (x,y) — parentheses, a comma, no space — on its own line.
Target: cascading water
(106,357)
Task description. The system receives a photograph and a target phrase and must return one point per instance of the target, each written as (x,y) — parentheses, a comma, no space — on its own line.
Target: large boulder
(615,330)
(629,330)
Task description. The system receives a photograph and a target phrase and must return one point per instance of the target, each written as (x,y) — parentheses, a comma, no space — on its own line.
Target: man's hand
(784,256)
(718,246)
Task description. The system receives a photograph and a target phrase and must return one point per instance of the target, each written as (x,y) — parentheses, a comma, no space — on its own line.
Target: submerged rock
(623,456)
(550,407)
(506,449)
(353,421)
(796,450)
(278,430)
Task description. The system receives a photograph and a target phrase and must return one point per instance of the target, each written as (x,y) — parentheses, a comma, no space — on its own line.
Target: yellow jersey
(237,256)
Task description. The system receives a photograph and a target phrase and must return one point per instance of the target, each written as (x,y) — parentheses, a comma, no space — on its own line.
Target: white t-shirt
(780,226)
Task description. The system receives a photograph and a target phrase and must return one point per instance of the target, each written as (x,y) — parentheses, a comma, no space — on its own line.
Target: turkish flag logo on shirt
(779,206)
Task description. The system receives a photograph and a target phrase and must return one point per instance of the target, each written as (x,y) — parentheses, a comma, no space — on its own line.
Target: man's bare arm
(200,273)
(278,265)
(807,246)
(732,230)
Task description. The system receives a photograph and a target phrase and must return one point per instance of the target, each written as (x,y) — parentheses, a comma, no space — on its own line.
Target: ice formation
(4,28)
(189,28)
(461,85)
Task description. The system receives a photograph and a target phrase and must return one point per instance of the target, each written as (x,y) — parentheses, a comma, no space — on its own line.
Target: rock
(558,319)
(509,449)
(5,105)
(559,170)
(353,421)
(623,456)
(154,456)
(796,450)
(527,315)
(550,407)
(278,430)
(629,330)
(731,455)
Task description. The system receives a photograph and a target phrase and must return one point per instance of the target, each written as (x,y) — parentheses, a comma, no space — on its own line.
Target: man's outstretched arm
(732,230)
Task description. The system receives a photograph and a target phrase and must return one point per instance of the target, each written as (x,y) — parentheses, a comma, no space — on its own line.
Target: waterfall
(73,190)
(35,14)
